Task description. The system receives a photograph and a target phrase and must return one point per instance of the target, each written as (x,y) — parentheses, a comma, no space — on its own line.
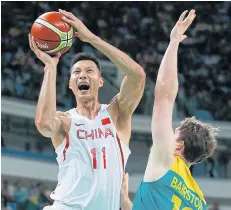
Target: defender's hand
(124,189)
(82,31)
(44,57)
(182,25)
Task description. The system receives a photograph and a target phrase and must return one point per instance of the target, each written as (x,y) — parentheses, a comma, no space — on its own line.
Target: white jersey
(91,161)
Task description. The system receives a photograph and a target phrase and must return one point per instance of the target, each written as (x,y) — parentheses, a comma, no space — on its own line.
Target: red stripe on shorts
(121,151)
(66,147)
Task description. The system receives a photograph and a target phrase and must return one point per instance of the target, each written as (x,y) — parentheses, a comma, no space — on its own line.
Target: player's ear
(101,81)
(70,84)
(179,146)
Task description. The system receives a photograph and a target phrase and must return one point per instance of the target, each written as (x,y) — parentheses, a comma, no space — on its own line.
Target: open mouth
(83,86)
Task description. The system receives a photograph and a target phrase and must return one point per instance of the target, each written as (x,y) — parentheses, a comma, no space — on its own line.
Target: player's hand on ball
(44,57)
(182,25)
(82,31)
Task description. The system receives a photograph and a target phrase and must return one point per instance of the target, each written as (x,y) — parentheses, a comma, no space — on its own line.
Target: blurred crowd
(142,30)
(17,197)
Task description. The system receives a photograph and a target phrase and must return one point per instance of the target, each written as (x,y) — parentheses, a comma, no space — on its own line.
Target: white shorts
(50,208)
(58,206)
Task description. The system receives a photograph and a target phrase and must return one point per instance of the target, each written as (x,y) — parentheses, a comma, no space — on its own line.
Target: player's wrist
(94,39)
(50,66)
(175,40)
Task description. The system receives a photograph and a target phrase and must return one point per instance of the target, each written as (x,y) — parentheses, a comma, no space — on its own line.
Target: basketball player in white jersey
(91,140)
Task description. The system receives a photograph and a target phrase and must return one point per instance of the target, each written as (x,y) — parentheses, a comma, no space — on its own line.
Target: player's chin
(85,94)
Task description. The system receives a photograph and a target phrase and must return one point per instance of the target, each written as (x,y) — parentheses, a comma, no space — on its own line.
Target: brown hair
(199,139)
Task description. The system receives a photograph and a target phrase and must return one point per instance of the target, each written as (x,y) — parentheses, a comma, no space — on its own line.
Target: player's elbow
(141,73)
(138,74)
(166,91)
(45,128)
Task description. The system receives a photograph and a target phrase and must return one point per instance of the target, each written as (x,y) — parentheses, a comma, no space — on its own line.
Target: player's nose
(82,76)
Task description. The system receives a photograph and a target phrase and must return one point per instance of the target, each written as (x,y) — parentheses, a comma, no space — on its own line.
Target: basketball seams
(61,34)
(49,30)
(58,48)
(66,31)
(50,40)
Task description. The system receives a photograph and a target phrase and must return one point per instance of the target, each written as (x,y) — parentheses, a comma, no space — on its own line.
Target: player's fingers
(183,15)
(71,22)
(79,36)
(31,47)
(35,48)
(190,17)
(67,14)
(34,45)
(183,37)
(59,55)
(76,34)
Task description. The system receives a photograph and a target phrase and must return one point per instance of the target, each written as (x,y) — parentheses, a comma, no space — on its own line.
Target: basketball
(51,34)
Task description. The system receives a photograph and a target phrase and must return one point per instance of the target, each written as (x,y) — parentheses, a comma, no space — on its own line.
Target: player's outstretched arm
(133,84)
(165,94)
(46,120)
(125,202)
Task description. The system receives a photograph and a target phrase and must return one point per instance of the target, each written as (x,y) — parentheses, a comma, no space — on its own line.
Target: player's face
(85,79)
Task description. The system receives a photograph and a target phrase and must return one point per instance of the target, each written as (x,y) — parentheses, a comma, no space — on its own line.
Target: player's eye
(76,72)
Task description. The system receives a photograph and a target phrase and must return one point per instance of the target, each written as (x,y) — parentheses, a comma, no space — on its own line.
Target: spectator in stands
(20,195)
(2,142)
(223,160)
(203,61)
(215,206)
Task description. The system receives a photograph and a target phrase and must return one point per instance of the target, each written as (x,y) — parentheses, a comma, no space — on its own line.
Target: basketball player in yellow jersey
(168,183)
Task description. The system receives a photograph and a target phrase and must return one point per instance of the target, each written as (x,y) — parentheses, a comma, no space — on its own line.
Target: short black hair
(85,56)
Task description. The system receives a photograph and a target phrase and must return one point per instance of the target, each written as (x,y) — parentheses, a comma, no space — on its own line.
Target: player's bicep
(162,132)
(130,94)
(53,127)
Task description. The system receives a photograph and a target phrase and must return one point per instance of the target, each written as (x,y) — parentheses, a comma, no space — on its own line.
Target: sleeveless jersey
(176,190)
(91,161)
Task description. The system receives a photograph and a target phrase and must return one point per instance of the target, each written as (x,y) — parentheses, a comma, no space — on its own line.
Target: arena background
(141,29)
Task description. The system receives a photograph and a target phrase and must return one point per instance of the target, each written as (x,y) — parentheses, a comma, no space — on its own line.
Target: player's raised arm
(133,84)
(47,121)
(165,94)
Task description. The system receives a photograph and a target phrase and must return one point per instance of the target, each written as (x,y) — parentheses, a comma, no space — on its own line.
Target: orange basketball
(52,34)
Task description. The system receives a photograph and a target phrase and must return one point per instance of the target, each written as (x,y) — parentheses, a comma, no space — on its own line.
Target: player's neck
(188,164)
(88,109)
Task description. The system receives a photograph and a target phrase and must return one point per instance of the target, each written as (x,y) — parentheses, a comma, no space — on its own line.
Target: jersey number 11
(94,157)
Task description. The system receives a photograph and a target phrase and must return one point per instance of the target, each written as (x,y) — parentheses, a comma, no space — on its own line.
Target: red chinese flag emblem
(106,121)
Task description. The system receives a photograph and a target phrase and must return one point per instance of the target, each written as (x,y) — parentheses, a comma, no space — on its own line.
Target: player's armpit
(130,94)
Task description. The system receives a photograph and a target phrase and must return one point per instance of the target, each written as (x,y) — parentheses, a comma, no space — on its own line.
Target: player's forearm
(167,80)
(120,59)
(126,204)
(46,107)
